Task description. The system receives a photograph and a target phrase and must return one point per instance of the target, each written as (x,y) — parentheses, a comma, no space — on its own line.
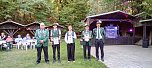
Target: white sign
(56,40)
(86,37)
(70,39)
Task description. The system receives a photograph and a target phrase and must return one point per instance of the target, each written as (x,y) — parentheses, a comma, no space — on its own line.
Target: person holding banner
(86,37)
(70,37)
(55,39)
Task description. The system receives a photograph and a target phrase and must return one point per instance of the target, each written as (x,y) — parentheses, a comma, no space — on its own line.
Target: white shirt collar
(55,28)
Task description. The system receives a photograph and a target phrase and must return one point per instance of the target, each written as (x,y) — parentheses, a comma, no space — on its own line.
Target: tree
(147,6)
(25,11)
(73,12)
(102,6)
(66,12)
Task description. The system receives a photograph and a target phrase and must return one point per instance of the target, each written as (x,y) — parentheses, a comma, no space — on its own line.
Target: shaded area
(122,20)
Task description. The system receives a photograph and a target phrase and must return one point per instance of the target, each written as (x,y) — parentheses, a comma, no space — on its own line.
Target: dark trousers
(0,47)
(9,46)
(99,44)
(71,51)
(54,47)
(45,50)
(85,47)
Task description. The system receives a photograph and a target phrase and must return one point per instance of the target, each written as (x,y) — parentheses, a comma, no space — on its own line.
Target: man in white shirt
(25,41)
(70,37)
(18,41)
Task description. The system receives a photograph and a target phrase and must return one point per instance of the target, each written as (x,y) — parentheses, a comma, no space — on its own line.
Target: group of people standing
(42,36)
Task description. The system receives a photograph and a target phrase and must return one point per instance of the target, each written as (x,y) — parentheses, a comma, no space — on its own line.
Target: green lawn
(26,59)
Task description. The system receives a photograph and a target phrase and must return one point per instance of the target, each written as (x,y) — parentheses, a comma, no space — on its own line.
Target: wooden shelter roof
(147,22)
(9,24)
(33,26)
(34,23)
(117,15)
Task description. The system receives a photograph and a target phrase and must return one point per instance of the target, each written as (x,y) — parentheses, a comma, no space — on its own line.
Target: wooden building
(123,21)
(10,27)
(32,27)
(13,28)
(144,32)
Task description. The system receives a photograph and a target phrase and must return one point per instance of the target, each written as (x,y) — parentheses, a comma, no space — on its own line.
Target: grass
(27,59)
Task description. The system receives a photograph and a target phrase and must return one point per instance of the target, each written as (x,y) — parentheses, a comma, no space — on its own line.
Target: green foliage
(73,13)
(26,11)
(102,6)
(147,6)
(66,12)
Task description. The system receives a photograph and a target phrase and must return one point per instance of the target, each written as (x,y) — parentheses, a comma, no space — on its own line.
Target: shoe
(54,61)
(97,59)
(68,61)
(89,59)
(59,61)
(47,62)
(102,59)
(85,59)
(37,62)
(73,61)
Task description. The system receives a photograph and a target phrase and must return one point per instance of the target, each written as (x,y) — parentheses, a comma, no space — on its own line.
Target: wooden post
(150,37)
(145,40)
(133,39)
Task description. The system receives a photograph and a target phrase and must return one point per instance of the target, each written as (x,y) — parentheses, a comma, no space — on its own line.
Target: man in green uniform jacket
(86,37)
(55,39)
(42,36)
(99,36)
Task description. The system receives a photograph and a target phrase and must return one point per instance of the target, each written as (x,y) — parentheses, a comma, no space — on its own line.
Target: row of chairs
(24,46)
(6,45)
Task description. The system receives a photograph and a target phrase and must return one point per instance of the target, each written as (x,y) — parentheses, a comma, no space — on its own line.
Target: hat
(99,22)
(55,24)
(42,23)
